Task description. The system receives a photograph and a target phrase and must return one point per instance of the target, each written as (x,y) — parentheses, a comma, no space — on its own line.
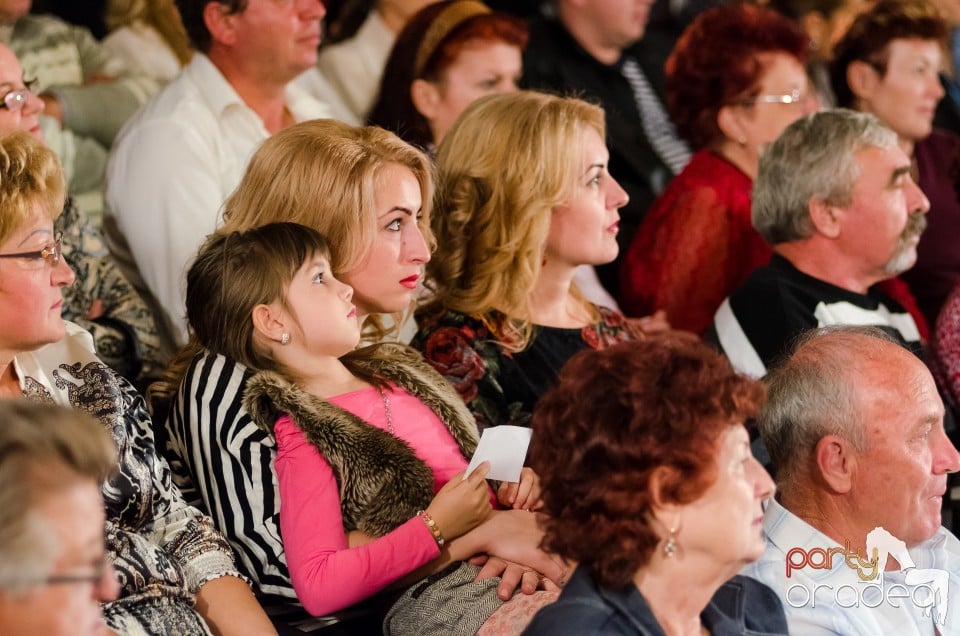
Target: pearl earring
(284,338)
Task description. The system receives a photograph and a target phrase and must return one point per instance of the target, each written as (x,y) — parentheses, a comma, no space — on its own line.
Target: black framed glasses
(51,253)
(15,100)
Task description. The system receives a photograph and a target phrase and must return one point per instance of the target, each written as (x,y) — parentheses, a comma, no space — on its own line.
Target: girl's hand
(522,495)
(462,504)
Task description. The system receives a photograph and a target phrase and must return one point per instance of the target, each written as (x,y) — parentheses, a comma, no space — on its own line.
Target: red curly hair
(614,418)
(717,62)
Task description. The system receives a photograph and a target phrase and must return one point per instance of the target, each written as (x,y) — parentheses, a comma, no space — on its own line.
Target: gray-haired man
(835,198)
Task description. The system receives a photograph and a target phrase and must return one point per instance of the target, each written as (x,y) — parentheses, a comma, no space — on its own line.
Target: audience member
(824,22)
(946,348)
(102,300)
(835,199)
(696,245)
(651,488)
(148,36)
(854,426)
(83,87)
(523,199)
(176,573)
(370,193)
(479,53)
(947,116)
(448,55)
(887,64)
(185,151)
(371,443)
(355,53)
(54,571)
(591,49)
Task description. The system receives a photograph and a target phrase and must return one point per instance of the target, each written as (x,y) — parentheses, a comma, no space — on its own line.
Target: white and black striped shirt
(757,323)
(223,463)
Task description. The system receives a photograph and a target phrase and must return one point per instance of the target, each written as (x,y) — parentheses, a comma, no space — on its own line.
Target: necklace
(386,410)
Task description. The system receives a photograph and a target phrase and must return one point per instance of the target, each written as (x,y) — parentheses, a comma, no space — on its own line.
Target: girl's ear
(269,322)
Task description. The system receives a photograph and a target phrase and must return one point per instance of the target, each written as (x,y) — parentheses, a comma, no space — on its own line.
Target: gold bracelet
(432,526)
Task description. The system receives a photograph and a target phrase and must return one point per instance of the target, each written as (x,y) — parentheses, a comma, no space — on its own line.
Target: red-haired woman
(735,80)
(651,487)
(448,55)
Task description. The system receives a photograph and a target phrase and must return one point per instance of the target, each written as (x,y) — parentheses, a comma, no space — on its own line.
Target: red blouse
(695,246)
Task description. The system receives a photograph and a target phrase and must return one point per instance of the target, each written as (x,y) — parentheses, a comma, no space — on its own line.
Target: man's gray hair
(814,158)
(812,393)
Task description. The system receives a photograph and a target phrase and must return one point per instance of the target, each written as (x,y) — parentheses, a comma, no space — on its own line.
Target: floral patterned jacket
(162,550)
(500,386)
(123,326)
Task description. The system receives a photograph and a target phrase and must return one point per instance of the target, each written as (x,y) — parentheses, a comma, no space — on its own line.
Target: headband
(455,14)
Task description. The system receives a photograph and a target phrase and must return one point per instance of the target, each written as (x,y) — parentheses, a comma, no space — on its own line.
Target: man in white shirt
(854,426)
(178,159)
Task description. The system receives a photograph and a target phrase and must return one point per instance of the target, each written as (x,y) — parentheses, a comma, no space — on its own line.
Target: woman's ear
(862,80)
(728,121)
(425,98)
(269,322)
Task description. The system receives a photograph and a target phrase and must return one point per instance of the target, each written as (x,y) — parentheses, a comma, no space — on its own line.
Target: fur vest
(382,482)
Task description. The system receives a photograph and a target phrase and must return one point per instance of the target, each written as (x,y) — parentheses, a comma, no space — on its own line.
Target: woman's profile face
(482,68)
(31,296)
(584,230)
(386,280)
(732,535)
(775,108)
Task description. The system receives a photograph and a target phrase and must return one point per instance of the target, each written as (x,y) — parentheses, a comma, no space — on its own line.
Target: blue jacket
(741,607)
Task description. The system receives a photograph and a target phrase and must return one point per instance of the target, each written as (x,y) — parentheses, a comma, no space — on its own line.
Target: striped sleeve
(224,462)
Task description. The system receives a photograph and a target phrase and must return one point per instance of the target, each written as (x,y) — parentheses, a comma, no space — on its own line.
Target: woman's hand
(513,575)
(462,504)
(515,536)
(523,494)
(649,325)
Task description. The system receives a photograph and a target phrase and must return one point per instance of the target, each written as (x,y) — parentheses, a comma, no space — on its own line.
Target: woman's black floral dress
(500,386)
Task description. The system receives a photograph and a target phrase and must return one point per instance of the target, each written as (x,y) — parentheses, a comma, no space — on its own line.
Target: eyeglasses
(51,253)
(94,576)
(793,97)
(15,100)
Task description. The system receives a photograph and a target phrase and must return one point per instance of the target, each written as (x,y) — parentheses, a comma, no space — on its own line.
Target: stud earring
(284,338)
(670,548)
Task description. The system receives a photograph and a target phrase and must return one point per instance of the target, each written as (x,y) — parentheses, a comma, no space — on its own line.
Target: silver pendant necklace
(386,410)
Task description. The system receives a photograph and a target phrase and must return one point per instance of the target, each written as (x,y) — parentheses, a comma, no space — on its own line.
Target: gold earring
(670,548)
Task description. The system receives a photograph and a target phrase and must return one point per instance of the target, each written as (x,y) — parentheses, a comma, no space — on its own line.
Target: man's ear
(425,98)
(220,23)
(825,218)
(269,322)
(863,80)
(836,461)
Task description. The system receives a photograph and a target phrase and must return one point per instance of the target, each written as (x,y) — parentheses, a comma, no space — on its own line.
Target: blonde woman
(524,198)
(369,193)
(149,36)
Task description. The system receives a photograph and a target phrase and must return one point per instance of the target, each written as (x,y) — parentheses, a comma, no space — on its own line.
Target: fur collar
(382,482)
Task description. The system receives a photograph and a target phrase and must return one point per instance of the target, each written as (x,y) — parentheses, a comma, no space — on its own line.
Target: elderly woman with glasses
(697,243)
(102,300)
(175,572)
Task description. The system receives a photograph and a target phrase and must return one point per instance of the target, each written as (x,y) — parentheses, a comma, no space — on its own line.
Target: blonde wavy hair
(162,15)
(323,174)
(30,174)
(506,163)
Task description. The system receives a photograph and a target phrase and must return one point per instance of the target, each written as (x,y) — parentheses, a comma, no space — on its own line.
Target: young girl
(371,443)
